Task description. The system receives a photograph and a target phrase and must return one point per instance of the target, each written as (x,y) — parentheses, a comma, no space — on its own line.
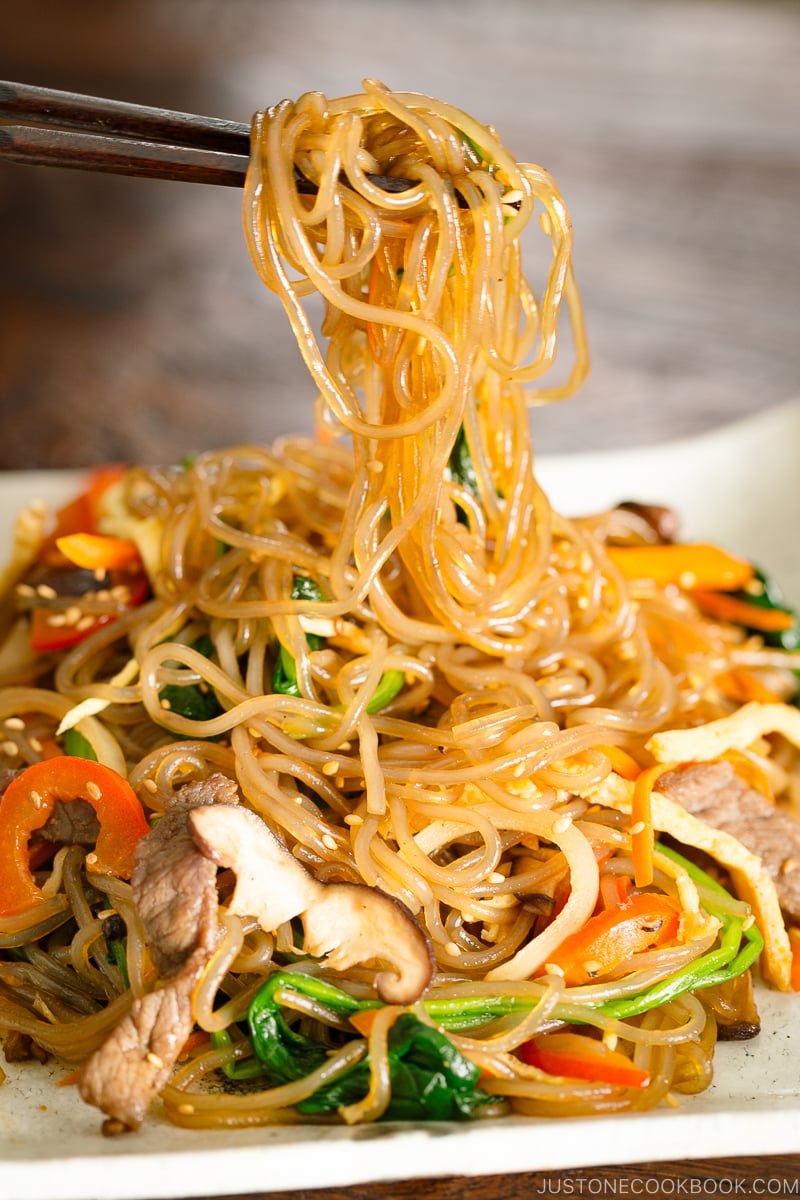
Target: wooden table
(723,1176)
(132,325)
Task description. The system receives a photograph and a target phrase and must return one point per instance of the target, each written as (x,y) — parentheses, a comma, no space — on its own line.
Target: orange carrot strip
(794,938)
(694,565)
(741,612)
(613,890)
(643,839)
(197,1038)
(751,772)
(573,1056)
(364,1020)
(70,1080)
(621,762)
(95,551)
(743,686)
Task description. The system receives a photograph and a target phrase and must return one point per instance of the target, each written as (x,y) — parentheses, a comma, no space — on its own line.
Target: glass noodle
(520,653)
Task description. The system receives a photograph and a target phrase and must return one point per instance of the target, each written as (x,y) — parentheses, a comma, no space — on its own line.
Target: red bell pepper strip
(46,637)
(574,1057)
(640,922)
(27,804)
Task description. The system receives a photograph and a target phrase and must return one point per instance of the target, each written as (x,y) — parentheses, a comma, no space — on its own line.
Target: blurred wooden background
(133,326)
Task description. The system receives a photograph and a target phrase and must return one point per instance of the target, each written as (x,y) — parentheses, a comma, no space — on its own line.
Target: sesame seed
(150,786)
(353,819)
(582,602)
(46,592)
(104,913)
(91,859)
(687,579)
(73,615)
(346,746)
(554,969)
(35,745)
(99,574)
(85,623)
(155,1060)
(562,824)
(330,767)
(496,877)
(592,967)
(329,841)
(10,749)
(375,465)
(748,921)
(25,589)
(788,865)
(165,703)
(121,592)
(519,770)
(93,790)
(36,799)
(16,723)
(452,949)
(102,595)
(56,619)
(186,1109)
(610,1040)
(638,828)
(585,562)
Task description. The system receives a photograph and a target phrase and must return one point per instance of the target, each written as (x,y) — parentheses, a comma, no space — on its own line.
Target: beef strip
(174,888)
(173,884)
(71,823)
(715,793)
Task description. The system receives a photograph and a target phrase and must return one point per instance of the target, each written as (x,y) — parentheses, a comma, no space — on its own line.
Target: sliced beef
(134,1063)
(173,883)
(715,793)
(71,823)
(175,891)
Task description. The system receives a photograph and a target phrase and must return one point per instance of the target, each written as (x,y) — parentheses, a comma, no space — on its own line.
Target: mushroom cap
(351,923)
(348,923)
(271,885)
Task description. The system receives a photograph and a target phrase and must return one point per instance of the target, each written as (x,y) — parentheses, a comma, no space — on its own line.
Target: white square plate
(739,486)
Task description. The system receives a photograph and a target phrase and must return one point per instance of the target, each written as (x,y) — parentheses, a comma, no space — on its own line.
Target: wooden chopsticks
(44,127)
(64,129)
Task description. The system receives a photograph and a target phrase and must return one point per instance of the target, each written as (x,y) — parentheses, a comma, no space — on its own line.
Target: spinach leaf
(284,673)
(462,467)
(431,1079)
(78,746)
(195,701)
